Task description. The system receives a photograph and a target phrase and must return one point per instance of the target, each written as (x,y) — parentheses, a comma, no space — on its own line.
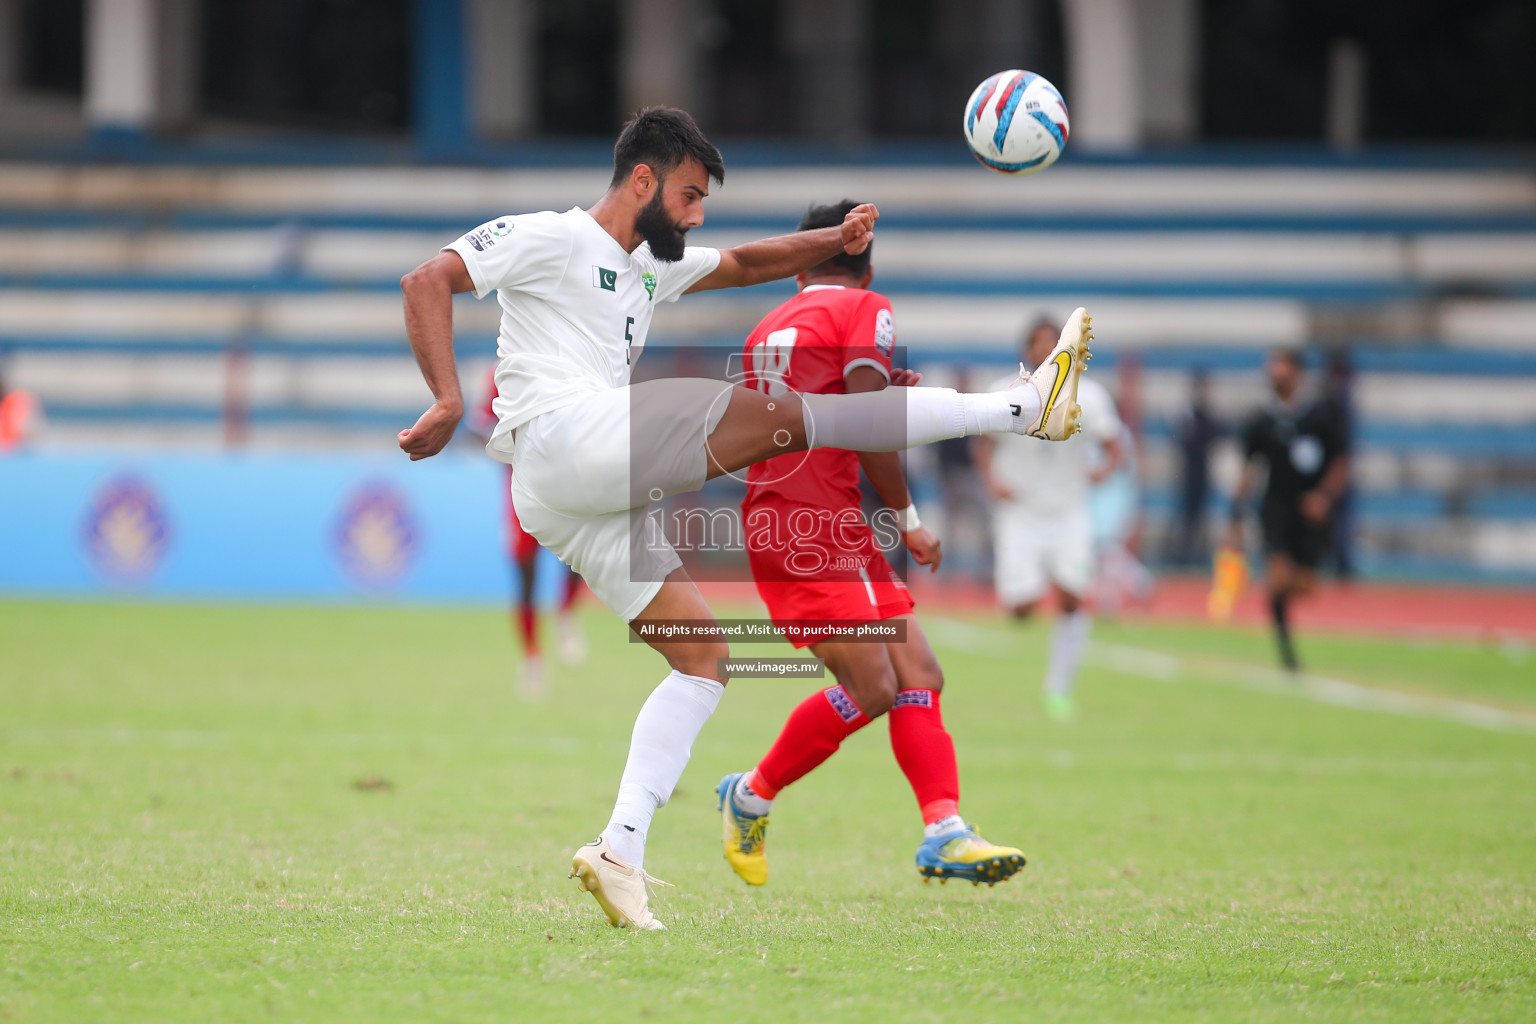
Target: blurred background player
(1305,447)
(836,337)
(20,417)
(524,552)
(1196,433)
(966,525)
(1339,390)
(1043,537)
(1114,511)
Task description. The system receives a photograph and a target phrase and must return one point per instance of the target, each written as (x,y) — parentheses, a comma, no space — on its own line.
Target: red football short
(825,570)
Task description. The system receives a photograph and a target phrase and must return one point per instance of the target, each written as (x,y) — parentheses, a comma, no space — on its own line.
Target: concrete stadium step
(1104,259)
(924,321)
(165,316)
(779,190)
(1385,404)
(122,381)
(1387,397)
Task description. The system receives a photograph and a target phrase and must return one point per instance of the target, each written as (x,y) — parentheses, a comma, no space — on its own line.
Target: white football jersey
(1050,478)
(575,307)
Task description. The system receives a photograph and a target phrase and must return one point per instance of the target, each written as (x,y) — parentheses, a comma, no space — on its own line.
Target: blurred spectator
(21,416)
(1339,390)
(1196,433)
(1114,508)
(524,551)
(967,525)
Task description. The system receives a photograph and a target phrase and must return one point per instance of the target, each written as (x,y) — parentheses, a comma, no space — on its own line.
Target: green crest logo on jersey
(649,280)
(607,280)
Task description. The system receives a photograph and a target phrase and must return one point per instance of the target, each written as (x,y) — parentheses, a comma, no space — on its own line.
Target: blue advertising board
(255,526)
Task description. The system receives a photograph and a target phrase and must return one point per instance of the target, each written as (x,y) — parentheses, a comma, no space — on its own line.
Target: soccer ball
(1016,123)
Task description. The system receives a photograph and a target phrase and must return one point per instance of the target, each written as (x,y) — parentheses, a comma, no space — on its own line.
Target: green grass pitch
(347,814)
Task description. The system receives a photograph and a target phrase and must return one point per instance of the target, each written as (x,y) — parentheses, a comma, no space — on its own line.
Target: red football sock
(814,731)
(528,626)
(926,753)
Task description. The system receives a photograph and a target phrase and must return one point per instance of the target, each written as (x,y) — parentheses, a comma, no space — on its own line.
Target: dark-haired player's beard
(657,227)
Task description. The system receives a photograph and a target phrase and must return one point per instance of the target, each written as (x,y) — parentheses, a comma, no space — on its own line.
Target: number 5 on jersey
(629,322)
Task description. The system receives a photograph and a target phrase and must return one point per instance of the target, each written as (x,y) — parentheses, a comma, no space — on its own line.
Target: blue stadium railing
(1486,441)
(1365,356)
(297,148)
(1341,222)
(1337,290)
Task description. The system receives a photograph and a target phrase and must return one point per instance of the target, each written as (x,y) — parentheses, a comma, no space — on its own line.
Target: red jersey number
(770,361)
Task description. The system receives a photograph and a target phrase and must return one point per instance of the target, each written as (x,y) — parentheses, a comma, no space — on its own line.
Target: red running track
(1397,609)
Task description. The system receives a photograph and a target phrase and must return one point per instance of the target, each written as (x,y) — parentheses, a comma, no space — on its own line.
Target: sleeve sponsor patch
(483,237)
(885,332)
(525,253)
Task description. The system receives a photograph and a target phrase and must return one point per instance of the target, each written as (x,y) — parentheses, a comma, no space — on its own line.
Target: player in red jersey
(815,561)
(524,552)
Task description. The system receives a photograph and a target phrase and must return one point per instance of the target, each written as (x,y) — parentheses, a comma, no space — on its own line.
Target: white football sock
(628,843)
(1068,638)
(898,418)
(748,800)
(665,729)
(953,823)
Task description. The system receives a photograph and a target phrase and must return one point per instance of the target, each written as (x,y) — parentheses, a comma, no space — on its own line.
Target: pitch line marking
(1322,689)
(1169,668)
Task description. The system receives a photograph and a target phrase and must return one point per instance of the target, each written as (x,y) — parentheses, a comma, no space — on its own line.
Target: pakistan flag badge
(649,280)
(607,280)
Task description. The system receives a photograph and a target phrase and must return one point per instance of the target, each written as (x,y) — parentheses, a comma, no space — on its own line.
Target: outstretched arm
(1317,505)
(884,472)
(882,468)
(787,255)
(429,291)
(982,447)
(1240,498)
(1114,458)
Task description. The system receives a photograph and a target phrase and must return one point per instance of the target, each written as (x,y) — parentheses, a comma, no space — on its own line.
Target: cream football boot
(622,891)
(1056,381)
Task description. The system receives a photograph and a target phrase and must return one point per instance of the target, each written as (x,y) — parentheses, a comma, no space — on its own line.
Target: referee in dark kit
(1304,445)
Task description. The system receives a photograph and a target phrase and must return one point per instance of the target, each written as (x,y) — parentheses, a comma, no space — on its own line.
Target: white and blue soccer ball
(1016,122)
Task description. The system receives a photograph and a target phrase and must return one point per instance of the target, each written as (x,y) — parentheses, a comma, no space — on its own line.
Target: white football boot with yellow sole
(1056,381)
(621,890)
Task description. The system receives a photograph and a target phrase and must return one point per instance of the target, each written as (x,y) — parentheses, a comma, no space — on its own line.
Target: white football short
(1034,550)
(583,476)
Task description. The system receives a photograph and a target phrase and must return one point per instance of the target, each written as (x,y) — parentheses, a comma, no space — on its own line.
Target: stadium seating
(149,305)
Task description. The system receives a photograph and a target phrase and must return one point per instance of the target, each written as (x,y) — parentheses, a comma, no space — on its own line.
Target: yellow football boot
(744,836)
(964,854)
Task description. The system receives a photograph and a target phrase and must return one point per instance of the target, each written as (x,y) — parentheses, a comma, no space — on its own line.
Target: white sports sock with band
(898,418)
(1069,636)
(746,799)
(659,747)
(944,826)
